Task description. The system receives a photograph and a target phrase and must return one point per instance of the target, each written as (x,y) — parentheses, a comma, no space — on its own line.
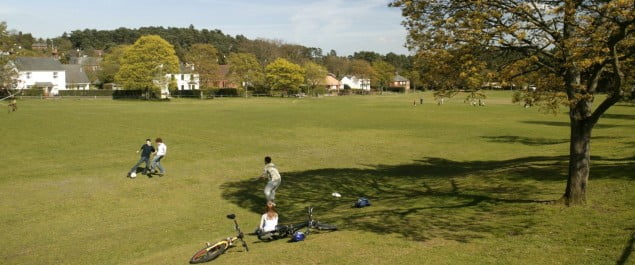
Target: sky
(345,26)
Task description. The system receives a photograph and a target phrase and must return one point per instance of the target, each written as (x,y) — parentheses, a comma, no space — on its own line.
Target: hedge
(127,94)
(87,93)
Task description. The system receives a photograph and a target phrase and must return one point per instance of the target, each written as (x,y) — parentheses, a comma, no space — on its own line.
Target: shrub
(128,94)
(33,92)
(397,89)
(87,93)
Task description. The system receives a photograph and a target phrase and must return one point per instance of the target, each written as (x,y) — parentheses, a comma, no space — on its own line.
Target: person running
(272,173)
(156,162)
(146,150)
(268,221)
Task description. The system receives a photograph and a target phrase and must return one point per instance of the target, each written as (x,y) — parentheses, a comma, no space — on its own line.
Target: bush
(128,94)
(87,93)
(397,89)
(33,92)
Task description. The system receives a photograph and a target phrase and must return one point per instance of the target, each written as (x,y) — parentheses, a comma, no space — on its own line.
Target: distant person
(268,221)
(146,150)
(421,101)
(271,173)
(156,162)
(13,105)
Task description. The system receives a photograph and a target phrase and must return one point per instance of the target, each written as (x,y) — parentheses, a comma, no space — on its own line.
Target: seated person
(268,222)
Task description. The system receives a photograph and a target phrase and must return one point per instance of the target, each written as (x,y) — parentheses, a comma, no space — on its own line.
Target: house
(354,82)
(76,78)
(187,79)
(332,83)
(400,81)
(221,79)
(45,73)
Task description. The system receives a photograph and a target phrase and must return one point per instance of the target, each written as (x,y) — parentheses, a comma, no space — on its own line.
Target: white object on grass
(133,175)
(336,194)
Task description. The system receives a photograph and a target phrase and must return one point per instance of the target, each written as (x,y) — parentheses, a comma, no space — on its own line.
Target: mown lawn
(450,184)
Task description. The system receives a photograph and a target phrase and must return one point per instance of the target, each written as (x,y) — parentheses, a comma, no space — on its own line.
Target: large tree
(204,57)
(314,74)
(245,70)
(284,76)
(587,45)
(110,64)
(8,75)
(383,74)
(144,64)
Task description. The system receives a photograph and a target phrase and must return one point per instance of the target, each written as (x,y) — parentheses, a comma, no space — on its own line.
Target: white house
(356,83)
(45,73)
(187,79)
(76,78)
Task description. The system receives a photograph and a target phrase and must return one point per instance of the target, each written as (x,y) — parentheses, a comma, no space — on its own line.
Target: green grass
(450,184)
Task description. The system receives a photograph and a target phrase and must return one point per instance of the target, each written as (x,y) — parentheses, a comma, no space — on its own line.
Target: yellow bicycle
(211,251)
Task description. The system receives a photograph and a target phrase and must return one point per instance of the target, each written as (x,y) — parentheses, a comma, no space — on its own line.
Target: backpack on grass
(362,202)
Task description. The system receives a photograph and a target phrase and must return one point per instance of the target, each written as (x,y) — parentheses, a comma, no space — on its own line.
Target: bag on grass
(362,202)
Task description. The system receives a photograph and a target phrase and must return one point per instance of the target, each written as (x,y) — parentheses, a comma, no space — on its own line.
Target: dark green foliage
(128,94)
(87,93)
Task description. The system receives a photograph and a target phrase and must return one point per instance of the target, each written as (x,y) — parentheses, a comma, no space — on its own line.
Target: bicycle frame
(289,229)
(210,252)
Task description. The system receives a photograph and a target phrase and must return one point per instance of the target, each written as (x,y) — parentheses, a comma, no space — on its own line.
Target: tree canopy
(146,62)
(244,70)
(283,75)
(204,57)
(577,48)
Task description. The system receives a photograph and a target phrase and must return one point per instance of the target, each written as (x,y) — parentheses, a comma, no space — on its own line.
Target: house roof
(399,78)
(187,68)
(75,74)
(37,64)
(85,60)
(331,81)
(44,84)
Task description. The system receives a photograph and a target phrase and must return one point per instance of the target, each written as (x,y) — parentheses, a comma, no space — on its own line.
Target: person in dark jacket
(146,150)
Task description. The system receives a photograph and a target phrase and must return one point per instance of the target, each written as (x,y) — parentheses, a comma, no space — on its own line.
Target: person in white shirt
(272,173)
(156,162)
(269,219)
(268,222)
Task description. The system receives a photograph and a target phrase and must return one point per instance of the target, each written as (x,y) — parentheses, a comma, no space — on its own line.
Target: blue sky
(343,25)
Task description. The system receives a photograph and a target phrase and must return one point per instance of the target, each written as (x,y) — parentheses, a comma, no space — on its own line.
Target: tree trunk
(579,154)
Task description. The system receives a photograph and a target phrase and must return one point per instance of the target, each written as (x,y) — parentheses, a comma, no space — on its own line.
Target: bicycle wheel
(325,226)
(209,253)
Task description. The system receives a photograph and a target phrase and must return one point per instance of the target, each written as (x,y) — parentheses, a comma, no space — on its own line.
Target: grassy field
(450,184)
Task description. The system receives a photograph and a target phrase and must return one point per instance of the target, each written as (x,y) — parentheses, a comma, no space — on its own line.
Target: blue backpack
(362,202)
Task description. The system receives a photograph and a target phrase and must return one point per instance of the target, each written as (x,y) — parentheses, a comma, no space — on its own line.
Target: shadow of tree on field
(532,141)
(425,199)
(567,124)
(628,250)
(536,141)
(619,116)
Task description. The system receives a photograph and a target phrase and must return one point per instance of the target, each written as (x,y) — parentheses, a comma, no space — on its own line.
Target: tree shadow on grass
(619,116)
(628,250)
(532,141)
(536,141)
(426,199)
(567,124)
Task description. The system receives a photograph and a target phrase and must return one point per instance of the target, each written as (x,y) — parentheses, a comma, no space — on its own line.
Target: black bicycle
(211,251)
(286,230)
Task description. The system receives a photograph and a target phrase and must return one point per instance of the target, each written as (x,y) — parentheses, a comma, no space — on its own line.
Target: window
(54,74)
(182,87)
(182,77)
(28,75)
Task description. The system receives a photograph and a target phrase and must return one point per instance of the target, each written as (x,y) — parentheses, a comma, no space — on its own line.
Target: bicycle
(289,229)
(210,252)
